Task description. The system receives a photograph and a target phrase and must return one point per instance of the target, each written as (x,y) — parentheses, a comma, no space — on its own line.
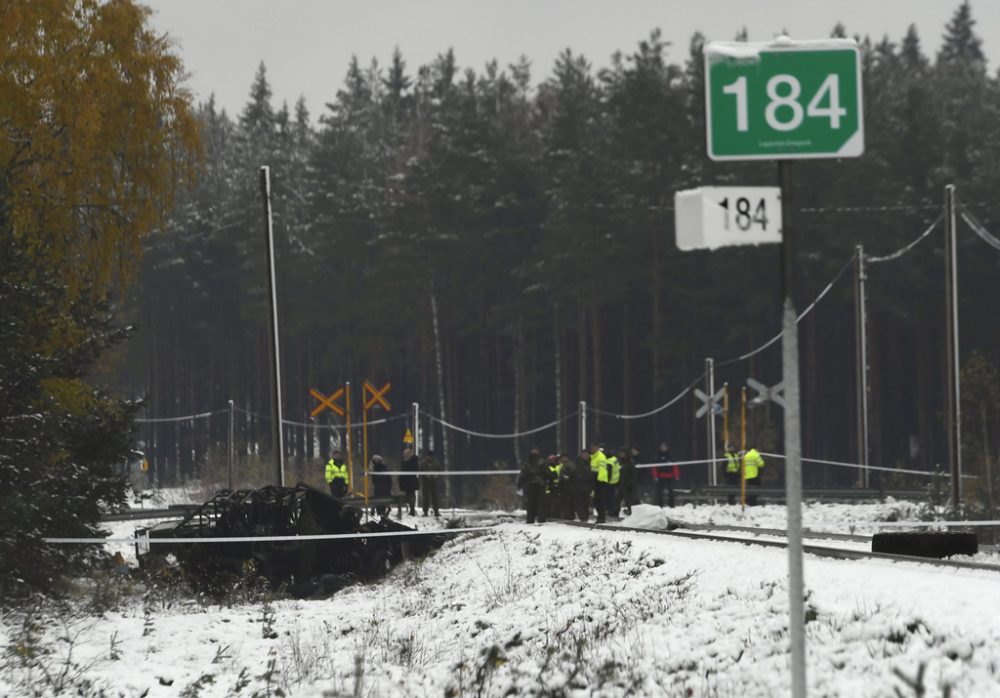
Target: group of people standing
(571,488)
(557,486)
(752,463)
(416,473)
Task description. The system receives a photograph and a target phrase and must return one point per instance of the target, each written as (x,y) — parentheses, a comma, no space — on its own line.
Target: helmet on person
(376,459)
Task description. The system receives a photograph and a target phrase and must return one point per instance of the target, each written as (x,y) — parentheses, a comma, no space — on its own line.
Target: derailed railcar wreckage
(304,567)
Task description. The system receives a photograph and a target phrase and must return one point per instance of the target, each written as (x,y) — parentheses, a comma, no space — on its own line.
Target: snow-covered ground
(547,610)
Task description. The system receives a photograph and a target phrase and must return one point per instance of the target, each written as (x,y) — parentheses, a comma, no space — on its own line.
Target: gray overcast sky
(306,44)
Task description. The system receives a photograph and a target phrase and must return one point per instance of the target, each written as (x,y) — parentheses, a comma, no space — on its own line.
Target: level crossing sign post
(370,397)
(784,100)
(710,407)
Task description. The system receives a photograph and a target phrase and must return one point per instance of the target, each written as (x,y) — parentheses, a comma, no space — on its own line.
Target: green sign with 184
(783,99)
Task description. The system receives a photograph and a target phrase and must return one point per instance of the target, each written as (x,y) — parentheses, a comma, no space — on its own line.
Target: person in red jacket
(665,475)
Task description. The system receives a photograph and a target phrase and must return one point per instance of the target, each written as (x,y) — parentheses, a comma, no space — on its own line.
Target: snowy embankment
(555,610)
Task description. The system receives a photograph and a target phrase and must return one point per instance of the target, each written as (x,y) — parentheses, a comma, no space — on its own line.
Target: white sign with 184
(711,217)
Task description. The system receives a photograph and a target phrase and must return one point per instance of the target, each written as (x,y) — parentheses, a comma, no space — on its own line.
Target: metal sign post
(583,425)
(780,100)
(710,371)
(793,445)
(710,406)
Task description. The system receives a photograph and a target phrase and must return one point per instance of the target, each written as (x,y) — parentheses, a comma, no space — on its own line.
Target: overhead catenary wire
(979,229)
(513,435)
(335,427)
(653,411)
(906,248)
(803,314)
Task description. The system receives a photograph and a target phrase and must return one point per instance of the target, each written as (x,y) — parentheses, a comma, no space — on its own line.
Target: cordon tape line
(704,461)
(517,472)
(859,466)
(266,539)
(185,418)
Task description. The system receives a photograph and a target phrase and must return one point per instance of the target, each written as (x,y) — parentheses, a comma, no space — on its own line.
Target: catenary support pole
(347,434)
(583,425)
(416,428)
(725,413)
(229,443)
(954,392)
(793,439)
(861,361)
(277,423)
(710,377)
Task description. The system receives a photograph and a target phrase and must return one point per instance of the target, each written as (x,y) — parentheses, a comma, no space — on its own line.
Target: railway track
(177,511)
(818,535)
(817,550)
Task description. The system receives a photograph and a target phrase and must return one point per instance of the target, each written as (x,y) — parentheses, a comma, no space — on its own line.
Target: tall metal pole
(725,413)
(583,425)
(793,439)
(710,375)
(364,440)
(230,444)
(277,423)
(416,428)
(347,433)
(861,358)
(954,397)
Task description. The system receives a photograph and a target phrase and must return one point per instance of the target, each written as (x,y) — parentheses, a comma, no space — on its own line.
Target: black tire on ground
(926,543)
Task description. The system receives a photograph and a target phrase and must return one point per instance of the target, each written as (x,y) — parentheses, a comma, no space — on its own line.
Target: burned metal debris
(304,567)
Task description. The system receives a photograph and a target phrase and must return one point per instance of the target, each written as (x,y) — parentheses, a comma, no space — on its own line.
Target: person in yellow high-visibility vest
(752,465)
(614,479)
(600,469)
(337,476)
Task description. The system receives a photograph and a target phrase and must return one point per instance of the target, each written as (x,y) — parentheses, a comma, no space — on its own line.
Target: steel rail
(806,533)
(817,550)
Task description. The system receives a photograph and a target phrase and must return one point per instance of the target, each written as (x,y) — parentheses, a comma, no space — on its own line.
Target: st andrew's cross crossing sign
(783,99)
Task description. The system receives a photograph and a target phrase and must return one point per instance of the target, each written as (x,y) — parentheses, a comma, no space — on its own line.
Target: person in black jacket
(533,480)
(429,494)
(409,482)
